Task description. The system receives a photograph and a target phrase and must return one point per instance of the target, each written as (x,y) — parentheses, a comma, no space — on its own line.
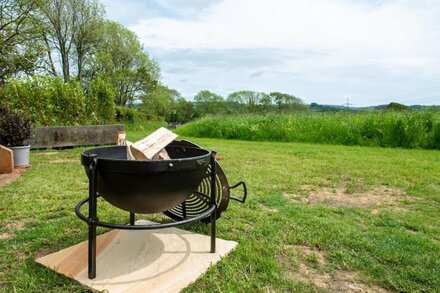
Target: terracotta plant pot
(21,155)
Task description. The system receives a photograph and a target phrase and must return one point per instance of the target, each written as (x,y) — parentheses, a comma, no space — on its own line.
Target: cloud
(256,73)
(230,58)
(323,49)
(131,12)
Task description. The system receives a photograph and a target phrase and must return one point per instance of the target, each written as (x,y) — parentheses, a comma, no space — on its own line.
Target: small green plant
(15,128)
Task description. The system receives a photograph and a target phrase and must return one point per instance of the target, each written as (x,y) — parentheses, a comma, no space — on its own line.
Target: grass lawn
(318,218)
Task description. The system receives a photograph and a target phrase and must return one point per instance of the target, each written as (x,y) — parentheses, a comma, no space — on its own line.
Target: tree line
(170,105)
(63,62)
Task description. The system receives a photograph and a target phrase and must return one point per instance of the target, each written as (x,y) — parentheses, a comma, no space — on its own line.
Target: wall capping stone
(71,136)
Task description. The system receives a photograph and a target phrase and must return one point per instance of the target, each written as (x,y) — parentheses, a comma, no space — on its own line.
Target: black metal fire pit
(178,187)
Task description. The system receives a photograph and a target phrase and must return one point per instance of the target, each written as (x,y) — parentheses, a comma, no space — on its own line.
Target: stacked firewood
(151,147)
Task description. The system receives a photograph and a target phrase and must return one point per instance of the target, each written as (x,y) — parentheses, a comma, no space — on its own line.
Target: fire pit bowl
(146,186)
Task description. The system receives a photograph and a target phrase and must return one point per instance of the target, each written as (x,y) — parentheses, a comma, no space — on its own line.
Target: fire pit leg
(92,219)
(132,219)
(184,210)
(213,200)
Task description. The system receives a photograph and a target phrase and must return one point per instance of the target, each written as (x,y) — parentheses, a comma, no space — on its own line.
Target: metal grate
(198,202)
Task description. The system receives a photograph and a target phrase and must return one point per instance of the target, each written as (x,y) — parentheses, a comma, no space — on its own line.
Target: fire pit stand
(93,221)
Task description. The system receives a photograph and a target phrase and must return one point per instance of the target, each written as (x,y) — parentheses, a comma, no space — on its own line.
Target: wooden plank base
(165,260)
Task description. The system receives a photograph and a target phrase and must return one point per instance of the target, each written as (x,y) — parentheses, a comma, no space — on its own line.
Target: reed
(419,129)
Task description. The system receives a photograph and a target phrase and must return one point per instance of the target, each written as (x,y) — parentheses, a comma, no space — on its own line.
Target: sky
(362,52)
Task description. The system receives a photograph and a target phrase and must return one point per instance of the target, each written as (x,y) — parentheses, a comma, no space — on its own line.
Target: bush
(14,128)
(124,114)
(397,107)
(32,97)
(47,101)
(68,102)
(101,101)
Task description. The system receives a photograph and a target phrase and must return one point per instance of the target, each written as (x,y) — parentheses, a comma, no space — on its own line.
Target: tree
(166,104)
(89,19)
(184,110)
(57,18)
(266,103)
(287,103)
(246,100)
(70,29)
(18,51)
(393,106)
(207,102)
(158,104)
(120,57)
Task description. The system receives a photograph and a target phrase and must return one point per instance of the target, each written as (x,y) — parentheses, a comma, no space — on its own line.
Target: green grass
(140,128)
(397,248)
(387,129)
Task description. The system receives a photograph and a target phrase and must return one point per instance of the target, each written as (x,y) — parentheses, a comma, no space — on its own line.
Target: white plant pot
(21,155)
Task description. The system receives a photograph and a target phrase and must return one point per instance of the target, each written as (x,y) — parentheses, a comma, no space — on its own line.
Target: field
(417,129)
(318,218)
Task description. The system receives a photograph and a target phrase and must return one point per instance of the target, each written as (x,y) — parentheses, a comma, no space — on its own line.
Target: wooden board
(151,145)
(165,260)
(162,155)
(129,154)
(6,160)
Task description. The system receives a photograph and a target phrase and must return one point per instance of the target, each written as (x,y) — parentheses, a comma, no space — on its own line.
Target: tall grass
(386,129)
(146,126)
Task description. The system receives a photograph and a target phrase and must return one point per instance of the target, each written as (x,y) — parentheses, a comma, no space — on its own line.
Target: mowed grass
(391,246)
(419,129)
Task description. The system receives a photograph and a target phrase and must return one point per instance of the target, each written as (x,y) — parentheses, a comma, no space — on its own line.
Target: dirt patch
(13,226)
(62,161)
(309,252)
(339,281)
(42,252)
(17,225)
(269,209)
(5,236)
(8,178)
(49,153)
(336,281)
(339,197)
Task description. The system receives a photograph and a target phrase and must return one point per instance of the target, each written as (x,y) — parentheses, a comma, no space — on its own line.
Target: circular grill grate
(198,202)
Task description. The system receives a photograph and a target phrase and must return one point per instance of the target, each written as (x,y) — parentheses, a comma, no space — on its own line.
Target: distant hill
(336,108)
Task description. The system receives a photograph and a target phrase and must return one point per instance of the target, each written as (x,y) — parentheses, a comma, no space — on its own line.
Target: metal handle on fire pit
(243,199)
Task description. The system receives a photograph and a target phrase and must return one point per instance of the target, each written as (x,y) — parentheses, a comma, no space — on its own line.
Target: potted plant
(15,129)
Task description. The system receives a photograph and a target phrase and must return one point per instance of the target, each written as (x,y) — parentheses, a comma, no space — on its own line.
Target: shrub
(124,114)
(68,102)
(14,128)
(101,101)
(397,107)
(32,97)
(47,101)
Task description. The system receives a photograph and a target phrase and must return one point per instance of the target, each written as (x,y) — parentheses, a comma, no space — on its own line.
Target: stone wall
(70,136)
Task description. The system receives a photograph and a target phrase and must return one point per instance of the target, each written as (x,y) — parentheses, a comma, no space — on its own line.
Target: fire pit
(151,187)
